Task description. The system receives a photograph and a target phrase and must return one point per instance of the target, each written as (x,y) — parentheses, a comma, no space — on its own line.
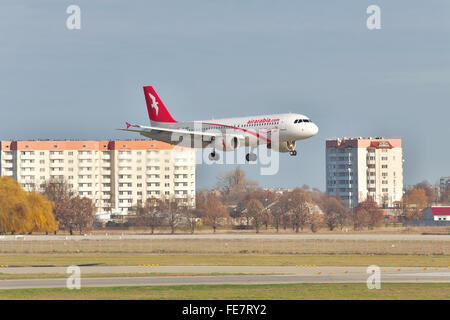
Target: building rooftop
(441,211)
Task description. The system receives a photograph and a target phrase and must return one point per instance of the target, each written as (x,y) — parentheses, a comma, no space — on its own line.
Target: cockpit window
(305,120)
(296,121)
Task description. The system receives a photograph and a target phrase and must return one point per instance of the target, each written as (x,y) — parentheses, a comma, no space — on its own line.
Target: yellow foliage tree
(21,211)
(41,213)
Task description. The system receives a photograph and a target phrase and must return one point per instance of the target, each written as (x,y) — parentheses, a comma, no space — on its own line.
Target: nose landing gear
(291,146)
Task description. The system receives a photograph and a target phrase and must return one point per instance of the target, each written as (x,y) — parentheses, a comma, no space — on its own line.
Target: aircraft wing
(166,134)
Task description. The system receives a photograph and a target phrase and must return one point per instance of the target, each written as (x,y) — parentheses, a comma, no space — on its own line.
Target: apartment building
(115,174)
(360,167)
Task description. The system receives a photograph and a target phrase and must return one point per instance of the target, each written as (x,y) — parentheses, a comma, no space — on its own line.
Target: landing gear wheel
(213,156)
(293,152)
(250,157)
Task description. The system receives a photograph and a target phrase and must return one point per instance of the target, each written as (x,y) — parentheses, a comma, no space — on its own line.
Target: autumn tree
(42,216)
(335,213)
(429,191)
(413,203)
(299,205)
(76,213)
(315,221)
(214,211)
(277,212)
(374,214)
(22,211)
(360,218)
(255,210)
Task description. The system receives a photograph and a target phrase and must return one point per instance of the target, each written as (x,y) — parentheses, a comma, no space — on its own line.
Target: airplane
(278,131)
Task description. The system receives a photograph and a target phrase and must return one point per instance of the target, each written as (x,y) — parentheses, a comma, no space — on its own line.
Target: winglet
(128,125)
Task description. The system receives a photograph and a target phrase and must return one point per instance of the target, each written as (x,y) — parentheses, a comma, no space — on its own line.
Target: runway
(392,237)
(242,275)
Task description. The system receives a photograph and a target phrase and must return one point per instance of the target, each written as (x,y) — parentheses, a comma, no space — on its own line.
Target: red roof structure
(441,211)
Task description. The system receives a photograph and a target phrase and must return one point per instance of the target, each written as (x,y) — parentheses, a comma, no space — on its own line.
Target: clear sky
(216,58)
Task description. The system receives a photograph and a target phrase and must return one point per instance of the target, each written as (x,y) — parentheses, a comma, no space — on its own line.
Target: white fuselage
(256,130)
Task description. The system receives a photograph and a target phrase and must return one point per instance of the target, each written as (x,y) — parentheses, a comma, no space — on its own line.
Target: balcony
(124,157)
(125,196)
(8,166)
(57,165)
(152,180)
(27,157)
(86,164)
(85,156)
(7,157)
(56,156)
(84,189)
(125,188)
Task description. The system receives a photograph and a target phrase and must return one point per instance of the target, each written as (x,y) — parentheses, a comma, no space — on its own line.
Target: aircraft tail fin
(157,112)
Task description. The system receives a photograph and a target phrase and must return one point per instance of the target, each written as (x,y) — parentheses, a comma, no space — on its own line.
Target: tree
(171,206)
(315,220)
(76,213)
(59,192)
(299,203)
(41,213)
(277,212)
(148,215)
(335,212)
(429,191)
(255,210)
(374,214)
(360,218)
(234,185)
(21,211)
(214,211)
(413,203)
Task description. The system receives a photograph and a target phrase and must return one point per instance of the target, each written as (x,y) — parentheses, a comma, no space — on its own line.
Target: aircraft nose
(314,129)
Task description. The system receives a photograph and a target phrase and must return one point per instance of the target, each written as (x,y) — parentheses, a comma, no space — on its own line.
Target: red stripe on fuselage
(236,128)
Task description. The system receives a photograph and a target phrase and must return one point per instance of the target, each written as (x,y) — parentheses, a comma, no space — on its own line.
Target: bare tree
(335,212)
(59,192)
(298,203)
(255,210)
(234,185)
(149,214)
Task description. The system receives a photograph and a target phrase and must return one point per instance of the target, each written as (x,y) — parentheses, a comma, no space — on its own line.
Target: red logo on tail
(155,107)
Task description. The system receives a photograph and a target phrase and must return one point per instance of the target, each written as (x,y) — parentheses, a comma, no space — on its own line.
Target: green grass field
(28,260)
(388,291)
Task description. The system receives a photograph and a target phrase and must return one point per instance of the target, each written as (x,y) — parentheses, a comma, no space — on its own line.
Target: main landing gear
(214,156)
(293,152)
(250,157)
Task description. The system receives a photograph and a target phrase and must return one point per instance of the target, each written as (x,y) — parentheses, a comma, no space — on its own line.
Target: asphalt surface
(252,275)
(393,237)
